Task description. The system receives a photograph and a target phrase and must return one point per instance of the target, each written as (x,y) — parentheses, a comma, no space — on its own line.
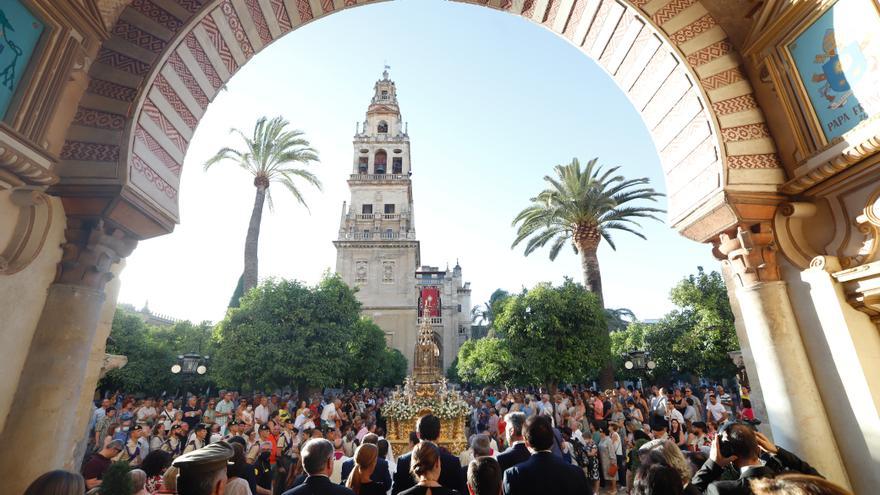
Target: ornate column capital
(91,249)
(751,252)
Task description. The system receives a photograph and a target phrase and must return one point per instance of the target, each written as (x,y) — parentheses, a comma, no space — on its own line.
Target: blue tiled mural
(20,31)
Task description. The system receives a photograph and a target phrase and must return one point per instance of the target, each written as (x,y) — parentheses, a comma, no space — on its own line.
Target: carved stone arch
(167,59)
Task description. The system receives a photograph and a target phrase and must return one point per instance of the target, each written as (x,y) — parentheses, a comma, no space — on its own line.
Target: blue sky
(493,103)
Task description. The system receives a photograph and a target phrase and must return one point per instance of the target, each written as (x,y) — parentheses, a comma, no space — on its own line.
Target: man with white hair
(317,460)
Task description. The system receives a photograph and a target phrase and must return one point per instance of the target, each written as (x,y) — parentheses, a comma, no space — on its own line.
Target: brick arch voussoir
(166,60)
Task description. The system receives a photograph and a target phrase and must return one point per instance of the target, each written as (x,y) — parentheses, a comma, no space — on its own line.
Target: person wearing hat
(197,440)
(233,429)
(133,451)
(97,465)
(317,461)
(203,471)
(263,468)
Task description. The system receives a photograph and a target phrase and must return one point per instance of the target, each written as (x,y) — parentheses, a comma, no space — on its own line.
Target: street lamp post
(639,361)
(190,364)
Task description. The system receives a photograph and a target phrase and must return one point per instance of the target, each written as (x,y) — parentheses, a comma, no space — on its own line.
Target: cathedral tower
(377,250)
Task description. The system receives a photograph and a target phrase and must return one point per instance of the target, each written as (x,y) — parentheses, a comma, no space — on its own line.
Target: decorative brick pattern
(327,6)
(304,9)
(694,29)
(259,21)
(639,3)
(168,92)
(96,118)
(670,10)
(138,37)
(167,127)
(156,13)
(219,43)
(115,91)
(710,53)
(350,3)
(122,62)
(528,8)
(89,152)
(284,19)
(235,24)
(745,132)
(576,13)
(769,160)
(734,105)
(186,76)
(141,167)
(722,79)
(552,12)
(202,59)
(156,149)
(192,6)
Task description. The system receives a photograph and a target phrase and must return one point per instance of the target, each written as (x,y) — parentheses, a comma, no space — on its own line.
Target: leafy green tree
(287,333)
(554,334)
(269,156)
(694,339)
(151,350)
(365,360)
(394,367)
(583,206)
(486,362)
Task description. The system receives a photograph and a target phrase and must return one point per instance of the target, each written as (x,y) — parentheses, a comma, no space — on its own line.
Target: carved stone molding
(112,362)
(90,252)
(30,230)
(820,167)
(751,253)
(788,226)
(861,285)
(20,165)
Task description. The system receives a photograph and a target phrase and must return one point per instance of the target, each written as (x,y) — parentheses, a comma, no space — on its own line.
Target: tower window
(389,209)
(397,165)
(380,162)
(367,209)
(384,94)
(363,164)
(383,127)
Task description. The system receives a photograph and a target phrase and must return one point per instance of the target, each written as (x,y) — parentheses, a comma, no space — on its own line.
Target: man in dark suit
(742,447)
(380,475)
(544,472)
(428,429)
(517,452)
(317,459)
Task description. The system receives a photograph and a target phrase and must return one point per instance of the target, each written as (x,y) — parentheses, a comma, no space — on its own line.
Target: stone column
(798,418)
(52,379)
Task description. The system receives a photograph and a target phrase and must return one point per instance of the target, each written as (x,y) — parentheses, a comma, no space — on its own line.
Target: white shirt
(329,412)
(303,420)
(144,413)
(716,411)
(261,414)
(674,414)
(237,486)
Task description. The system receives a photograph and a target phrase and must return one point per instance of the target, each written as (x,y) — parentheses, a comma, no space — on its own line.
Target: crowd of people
(574,441)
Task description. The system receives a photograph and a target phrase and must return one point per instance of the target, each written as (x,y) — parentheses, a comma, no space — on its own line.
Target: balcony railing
(377,216)
(373,236)
(432,320)
(378,177)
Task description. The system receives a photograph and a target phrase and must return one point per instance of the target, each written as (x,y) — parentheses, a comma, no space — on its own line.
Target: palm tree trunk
(252,241)
(593,282)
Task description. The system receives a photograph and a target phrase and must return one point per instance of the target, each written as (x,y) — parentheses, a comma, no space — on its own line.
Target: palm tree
(619,318)
(484,314)
(583,206)
(269,155)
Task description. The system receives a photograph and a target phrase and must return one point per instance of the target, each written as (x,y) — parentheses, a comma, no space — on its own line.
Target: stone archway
(161,62)
(152,80)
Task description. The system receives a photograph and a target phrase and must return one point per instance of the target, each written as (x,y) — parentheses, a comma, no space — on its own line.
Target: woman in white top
(168,414)
(235,484)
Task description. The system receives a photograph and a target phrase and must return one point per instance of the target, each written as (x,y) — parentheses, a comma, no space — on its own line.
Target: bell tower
(376,249)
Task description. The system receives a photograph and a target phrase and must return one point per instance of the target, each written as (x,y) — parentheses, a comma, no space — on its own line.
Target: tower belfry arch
(94,139)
